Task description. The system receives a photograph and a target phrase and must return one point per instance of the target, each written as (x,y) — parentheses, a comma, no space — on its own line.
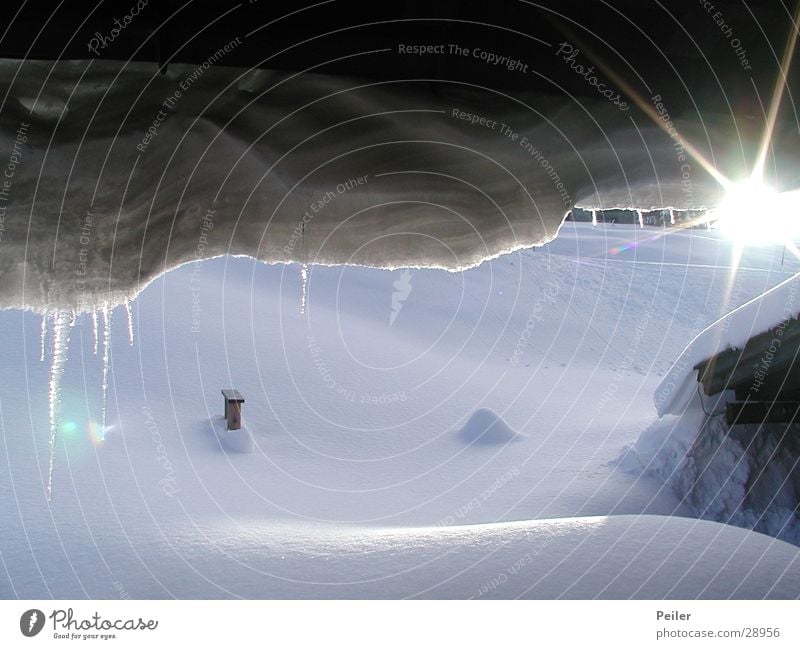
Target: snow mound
(487,427)
(237,441)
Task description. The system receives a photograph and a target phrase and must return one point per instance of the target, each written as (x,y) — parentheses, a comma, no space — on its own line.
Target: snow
(370,475)
(304,287)
(487,427)
(238,441)
(748,475)
(44,338)
(619,557)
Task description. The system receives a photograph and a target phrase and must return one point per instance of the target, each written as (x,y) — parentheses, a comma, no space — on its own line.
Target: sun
(754,214)
(751,213)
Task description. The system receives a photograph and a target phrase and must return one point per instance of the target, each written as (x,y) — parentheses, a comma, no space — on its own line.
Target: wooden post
(234,415)
(233,408)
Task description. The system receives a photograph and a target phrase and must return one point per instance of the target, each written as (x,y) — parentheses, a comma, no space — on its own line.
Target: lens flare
(96,433)
(68,428)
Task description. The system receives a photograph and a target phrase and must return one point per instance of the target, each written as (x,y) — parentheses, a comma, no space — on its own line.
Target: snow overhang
(121,173)
(738,339)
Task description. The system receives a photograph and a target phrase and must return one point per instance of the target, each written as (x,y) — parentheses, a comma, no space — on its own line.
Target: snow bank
(746,476)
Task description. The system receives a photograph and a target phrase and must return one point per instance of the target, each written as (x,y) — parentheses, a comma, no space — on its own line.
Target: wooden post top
(233,395)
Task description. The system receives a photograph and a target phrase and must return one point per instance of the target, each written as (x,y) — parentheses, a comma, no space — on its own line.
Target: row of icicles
(57,328)
(640,217)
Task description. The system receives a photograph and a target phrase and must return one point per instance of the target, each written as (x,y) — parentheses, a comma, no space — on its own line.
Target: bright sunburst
(752,213)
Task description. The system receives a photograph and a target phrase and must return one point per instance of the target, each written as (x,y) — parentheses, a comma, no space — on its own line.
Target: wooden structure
(761,412)
(233,408)
(764,376)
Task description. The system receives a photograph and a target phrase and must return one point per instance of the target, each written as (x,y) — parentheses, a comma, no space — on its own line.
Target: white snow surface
(362,481)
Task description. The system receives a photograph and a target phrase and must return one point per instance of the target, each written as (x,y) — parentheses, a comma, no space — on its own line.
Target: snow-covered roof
(731,331)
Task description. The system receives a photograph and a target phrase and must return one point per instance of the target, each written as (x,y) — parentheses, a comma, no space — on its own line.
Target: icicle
(304,288)
(106,356)
(94,329)
(62,324)
(44,337)
(594,217)
(641,218)
(303,271)
(130,322)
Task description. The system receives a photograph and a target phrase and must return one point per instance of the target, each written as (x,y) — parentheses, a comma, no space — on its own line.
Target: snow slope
(362,470)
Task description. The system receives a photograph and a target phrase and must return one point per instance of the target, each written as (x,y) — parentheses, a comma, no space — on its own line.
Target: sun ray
(745,200)
(697,156)
(651,112)
(777,97)
(792,248)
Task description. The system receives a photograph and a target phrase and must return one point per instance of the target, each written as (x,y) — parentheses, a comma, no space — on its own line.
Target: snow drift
(617,557)
(236,441)
(487,427)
